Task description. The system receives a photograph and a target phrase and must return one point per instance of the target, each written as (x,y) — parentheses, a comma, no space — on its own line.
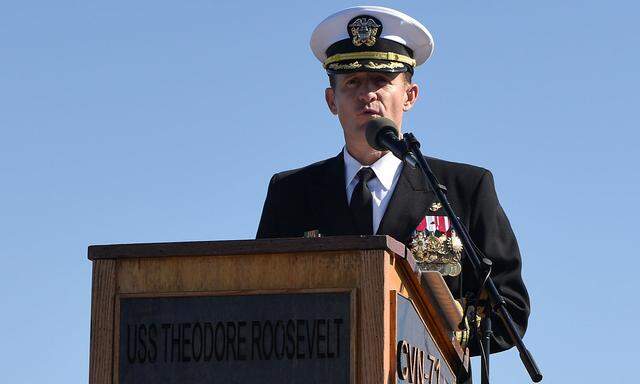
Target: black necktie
(361,203)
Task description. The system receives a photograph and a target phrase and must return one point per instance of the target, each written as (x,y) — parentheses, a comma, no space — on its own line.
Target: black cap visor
(367,65)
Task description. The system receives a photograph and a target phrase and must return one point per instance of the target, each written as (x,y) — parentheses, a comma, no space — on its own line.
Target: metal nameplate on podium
(419,360)
(236,338)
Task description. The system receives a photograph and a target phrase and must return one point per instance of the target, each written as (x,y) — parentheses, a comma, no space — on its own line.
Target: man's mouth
(370,112)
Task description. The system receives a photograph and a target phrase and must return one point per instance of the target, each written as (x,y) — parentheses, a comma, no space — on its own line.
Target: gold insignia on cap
(391,65)
(435,206)
(389,56)
(338,67)
(364,31)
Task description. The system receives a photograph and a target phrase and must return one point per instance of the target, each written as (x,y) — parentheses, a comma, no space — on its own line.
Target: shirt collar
(385,168)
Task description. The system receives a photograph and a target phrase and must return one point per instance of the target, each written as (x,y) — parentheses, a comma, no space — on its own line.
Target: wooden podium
(348,309)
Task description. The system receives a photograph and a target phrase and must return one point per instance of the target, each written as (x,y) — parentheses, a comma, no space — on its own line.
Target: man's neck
(365,156)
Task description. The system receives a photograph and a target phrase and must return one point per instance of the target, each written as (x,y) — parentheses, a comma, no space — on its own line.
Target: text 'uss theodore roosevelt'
(148,343)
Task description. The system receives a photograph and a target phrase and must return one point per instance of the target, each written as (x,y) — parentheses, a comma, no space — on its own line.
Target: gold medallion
(437,247)
(364,30)
(456,268)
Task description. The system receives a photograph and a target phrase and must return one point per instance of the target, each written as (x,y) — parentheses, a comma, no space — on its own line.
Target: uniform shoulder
(435,162)
(310,171)
(452,167)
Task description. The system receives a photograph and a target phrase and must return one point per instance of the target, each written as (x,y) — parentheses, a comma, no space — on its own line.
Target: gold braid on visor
(372,56)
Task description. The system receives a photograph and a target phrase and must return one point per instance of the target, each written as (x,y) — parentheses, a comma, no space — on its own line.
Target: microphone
(382,134)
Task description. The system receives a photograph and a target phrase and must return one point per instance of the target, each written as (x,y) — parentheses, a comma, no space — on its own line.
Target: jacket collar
(408,205)
(409,202)
(385,168)
(330,199)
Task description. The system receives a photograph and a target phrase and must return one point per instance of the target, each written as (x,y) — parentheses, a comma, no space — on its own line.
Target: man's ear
(329,96)
(412,95)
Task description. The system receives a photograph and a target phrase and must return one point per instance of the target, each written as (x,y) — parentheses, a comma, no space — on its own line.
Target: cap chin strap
(390,56)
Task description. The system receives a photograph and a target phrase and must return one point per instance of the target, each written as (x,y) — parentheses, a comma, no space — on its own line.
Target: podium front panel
(285,310)
(267,337)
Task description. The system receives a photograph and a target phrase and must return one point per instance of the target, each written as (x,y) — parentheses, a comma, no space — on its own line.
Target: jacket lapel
(408,205)
(330,201)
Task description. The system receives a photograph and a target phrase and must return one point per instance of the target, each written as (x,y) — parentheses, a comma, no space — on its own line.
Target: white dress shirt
(387,170)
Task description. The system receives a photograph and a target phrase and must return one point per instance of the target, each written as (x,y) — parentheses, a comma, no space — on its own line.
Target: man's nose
(368,93)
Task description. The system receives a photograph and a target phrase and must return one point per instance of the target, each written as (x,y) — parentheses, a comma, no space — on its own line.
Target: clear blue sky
(123,121)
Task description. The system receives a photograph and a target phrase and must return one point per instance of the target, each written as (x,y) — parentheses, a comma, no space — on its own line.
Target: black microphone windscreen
(374,127)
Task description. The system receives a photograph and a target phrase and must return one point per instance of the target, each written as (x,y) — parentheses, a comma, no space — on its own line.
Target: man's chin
(364,119)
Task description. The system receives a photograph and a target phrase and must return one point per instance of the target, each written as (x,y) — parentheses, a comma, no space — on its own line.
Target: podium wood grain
(102,322)
(374,267)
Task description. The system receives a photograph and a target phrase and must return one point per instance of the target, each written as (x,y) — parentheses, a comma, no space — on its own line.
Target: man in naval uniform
(370,54)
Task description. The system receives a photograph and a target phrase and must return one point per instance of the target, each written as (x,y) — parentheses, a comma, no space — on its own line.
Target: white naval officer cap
(371,38)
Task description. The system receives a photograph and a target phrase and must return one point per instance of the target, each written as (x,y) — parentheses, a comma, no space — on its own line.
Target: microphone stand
(495,303)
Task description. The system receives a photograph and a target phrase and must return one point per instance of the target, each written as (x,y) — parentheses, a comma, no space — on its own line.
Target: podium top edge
(246,247)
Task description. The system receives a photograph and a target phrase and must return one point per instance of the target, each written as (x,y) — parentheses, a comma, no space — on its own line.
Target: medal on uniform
(435,206)
(436,246)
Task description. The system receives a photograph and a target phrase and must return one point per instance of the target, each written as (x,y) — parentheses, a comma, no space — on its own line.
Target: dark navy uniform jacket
(314,198)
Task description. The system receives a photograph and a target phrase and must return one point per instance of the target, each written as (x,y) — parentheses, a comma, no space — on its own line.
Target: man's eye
(352,82)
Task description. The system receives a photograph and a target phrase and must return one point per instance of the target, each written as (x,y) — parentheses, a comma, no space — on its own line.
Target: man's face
(361,96)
